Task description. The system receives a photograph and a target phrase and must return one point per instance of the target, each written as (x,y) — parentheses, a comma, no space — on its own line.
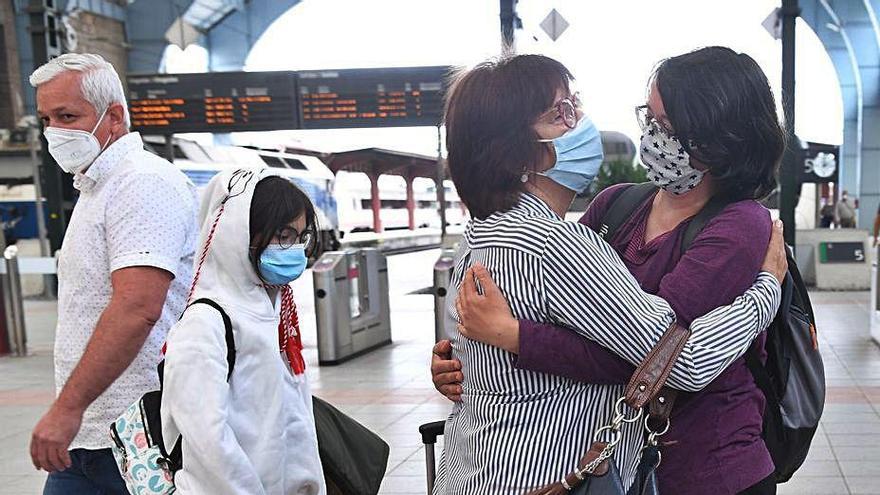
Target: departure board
(213,102)
(402,96)
(266,101)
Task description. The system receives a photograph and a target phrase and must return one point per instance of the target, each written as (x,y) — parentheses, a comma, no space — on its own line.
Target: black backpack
(793,378)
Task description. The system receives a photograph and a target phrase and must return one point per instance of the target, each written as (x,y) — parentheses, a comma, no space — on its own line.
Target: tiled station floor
(389,390)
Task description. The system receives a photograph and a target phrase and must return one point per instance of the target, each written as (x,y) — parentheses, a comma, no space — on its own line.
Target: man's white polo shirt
(134,209)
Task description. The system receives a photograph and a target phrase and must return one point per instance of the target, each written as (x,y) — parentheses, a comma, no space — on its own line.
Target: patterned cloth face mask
(668,164)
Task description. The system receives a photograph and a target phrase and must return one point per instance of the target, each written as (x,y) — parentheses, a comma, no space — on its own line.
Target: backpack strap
(765,385)
(230,338)
(623,207)
(798,285)
(175,457)
(710,210)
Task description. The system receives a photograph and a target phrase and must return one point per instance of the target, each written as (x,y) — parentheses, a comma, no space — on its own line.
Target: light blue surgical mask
(280,266)
(578,157)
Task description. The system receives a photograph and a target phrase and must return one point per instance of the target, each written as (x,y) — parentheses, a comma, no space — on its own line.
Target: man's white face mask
(73,149)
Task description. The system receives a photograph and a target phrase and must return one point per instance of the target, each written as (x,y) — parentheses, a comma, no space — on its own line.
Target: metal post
(509,22)
(169,148)
(5,336)
(442,277)
(410,202)
(441,189)
(33,144)
(14,302)
(13,67)
(45,45)
(788,177)
(430,466)
(375,202)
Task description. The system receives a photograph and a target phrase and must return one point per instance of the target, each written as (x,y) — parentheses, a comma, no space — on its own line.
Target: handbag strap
(650,377)
(572,479)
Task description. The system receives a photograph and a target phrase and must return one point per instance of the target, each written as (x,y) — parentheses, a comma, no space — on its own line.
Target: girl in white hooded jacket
(255,433)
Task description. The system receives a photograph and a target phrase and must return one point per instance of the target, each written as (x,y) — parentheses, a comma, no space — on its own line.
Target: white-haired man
(123,274)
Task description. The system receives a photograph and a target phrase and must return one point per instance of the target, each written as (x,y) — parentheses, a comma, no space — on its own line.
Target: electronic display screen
(213,102)
(404,96)
(264,101)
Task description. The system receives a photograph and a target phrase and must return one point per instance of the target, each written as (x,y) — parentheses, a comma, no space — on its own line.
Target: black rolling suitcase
(430,432)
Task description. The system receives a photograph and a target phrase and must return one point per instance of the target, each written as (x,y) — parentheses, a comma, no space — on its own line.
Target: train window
(393,203)
(295,164)
(273,161)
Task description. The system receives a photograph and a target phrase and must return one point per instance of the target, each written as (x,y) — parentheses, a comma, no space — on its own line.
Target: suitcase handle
(430,431)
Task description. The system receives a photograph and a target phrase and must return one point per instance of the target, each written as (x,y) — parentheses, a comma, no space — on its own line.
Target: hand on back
(775,262)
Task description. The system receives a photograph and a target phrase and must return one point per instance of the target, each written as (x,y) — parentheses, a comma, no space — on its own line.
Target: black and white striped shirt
(516,430)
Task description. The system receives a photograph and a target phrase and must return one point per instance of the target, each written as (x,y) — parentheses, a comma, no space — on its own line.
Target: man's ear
(116,113)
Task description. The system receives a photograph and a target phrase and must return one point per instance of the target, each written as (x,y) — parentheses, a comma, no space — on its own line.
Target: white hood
(227,275)
(254,434)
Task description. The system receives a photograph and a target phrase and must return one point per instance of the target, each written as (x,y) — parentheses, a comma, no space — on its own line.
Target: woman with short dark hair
(519,150)
(710,132)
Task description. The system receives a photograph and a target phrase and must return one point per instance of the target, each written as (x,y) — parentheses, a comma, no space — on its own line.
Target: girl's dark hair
(489,114)
(722,110)
(276,203)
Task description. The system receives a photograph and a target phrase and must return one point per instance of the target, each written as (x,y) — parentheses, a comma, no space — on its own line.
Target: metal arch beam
(858,24)
(147,23)
(838,49)
(230,41)
(849,32)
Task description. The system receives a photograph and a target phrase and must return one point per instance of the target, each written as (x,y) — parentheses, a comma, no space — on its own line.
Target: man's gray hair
(100,84)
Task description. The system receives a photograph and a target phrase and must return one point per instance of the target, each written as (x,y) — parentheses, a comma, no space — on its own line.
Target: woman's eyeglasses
(566,109)
(645,118)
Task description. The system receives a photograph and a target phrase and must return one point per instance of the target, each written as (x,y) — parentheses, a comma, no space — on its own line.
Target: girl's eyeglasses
(288,237)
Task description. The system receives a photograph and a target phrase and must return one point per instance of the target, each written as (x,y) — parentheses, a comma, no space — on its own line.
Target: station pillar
(375,202)
(410,202)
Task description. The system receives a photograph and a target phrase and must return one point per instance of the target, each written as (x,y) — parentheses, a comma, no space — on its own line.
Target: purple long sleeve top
(715,435)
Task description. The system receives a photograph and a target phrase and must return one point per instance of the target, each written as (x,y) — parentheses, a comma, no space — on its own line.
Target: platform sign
(821,163)
(841,252)
(386,97)
(213,102)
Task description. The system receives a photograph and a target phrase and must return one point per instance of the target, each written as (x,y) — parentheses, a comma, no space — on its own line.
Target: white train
(354,203)
(343,202)
(200,163)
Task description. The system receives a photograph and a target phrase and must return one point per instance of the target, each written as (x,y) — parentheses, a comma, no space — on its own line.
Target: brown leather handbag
(597,474)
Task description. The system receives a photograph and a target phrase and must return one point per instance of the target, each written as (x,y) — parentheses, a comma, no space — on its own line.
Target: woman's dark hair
(489,114)
(275,204)
(722,110)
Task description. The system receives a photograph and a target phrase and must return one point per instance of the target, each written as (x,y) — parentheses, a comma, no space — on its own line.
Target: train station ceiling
(229,29)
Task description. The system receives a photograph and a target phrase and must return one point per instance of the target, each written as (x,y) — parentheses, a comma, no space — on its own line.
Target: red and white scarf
(289,340)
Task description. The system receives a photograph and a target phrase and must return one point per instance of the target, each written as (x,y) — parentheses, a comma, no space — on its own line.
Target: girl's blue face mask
(578,157)
(280,266)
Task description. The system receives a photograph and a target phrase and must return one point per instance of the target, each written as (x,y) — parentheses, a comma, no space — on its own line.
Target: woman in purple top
(709,130)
